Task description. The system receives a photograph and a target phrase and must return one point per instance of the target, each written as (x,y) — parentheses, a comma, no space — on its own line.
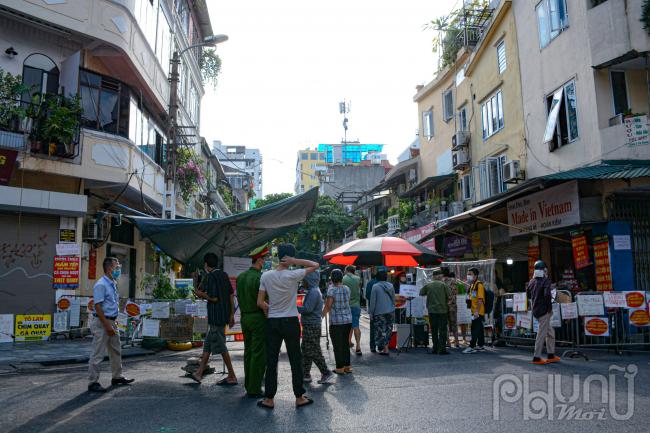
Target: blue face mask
(116,273)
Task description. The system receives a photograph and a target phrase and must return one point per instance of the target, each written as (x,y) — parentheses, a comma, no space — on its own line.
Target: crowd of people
(270,316)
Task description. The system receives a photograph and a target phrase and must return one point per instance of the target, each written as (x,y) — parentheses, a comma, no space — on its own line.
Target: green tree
(327,223)
(272,198)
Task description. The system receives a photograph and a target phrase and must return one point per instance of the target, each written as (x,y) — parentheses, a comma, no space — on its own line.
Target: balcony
(616,32)
(626,140)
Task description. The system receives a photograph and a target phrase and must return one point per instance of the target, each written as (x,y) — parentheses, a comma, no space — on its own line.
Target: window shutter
(484,179)
(493,176)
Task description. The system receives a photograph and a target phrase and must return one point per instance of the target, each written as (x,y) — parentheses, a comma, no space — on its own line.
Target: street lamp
(174,79)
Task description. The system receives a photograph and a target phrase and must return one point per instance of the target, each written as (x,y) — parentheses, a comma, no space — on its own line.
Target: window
(304,156)
(492,115)
(427,124)
(447,105)
(183,15)
(313,156)
(40,75)
(163,40)
(105,103)
(146,134)
(619,92)
(501,56)
(491,176)
(562,122)
(462,119)
(552,19)
(321,156)
(182,82)
(467,187)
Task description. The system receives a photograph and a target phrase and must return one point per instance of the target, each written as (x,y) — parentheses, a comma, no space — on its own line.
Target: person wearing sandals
(311,320)
(221,299)
(382,310)
(280,287)
(337,305)
(353,282)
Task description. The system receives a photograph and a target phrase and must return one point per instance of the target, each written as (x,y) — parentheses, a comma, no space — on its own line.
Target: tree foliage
(272,198)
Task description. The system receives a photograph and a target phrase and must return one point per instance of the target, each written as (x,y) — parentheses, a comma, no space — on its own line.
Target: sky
(288,63)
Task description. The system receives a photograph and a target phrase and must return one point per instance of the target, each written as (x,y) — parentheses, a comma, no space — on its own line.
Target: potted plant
(188,174)
(61,124)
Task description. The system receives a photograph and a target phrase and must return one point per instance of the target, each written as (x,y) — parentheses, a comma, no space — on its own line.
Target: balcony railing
(49,126)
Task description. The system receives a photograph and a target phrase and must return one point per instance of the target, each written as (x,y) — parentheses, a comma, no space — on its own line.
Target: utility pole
(172,144)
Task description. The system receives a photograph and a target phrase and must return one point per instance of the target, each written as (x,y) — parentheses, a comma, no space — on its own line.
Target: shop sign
(634,299)
(33,327)
(546,210)
(636,130)
(67,235)
(580,249)
(418,233)
(92,264)
(533,256)
(7,163)
(601,259)
(66,272)
(431,244)
(457,246)
(597,326)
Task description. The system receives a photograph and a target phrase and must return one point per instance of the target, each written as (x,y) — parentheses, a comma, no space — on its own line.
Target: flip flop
(383,353)
(224,382)
(358,353)
(265,406)
(195,379)
(309,401)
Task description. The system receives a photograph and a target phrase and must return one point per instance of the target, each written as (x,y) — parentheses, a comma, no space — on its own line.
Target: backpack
(489,300)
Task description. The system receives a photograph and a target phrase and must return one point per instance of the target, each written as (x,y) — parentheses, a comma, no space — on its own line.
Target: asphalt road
(410,392)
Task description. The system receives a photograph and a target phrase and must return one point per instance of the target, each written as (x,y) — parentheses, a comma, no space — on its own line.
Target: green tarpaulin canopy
(186,241)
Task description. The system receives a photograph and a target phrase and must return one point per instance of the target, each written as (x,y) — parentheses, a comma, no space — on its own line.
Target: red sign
(66,272)
(63,304)
(634,299)
(601,259)
(639,317)
(300,299)
(533,256)
(92,264)
(420,232)
(7,163)
(596,326)
(580,249)
(132,309)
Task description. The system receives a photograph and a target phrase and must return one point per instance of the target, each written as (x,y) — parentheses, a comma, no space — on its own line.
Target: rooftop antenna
(344,109)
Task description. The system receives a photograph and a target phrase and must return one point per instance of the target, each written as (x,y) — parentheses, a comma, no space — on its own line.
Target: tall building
(78,168)
(349,152)
(243,167)
(309,165)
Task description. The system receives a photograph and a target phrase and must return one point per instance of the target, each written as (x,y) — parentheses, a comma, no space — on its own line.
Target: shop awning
(614,169)
(188,240)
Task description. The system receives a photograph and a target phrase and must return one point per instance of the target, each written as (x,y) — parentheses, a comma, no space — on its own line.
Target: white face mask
(470,278)
(539,273)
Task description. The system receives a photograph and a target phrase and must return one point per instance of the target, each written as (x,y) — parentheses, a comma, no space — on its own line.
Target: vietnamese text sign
(556,318)
(591,305)
(463,314)
(202,308)
(622,242)
(636,130)
(519,301)
(150,327)
(457,246)
(160,310)
(68,249)
(408,290)
(33,327)
(614,299)
(548,209)
(569,310)
(580,249)
(75,312)
(6,328)
(525,320)
(67,235)
(601,259)
(66,272)
(418,233)
(61,321)
(597,326)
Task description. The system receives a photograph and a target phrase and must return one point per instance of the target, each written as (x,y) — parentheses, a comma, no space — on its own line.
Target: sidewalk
(48,353)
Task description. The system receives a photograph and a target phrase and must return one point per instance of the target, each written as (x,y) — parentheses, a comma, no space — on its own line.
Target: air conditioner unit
(460,159)
(460,139)
(92,231)
(511,171)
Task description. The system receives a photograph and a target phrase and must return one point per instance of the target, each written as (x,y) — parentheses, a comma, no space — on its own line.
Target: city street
(410,392)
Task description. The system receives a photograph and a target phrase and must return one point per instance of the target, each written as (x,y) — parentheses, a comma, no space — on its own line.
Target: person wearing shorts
(353,282)
(220,295)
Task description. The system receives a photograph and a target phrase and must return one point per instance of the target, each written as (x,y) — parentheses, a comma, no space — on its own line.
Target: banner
(615,299)
(533,256)
(6,328)
(590,305)
(601,259)
(420,232)
(569,310)
(33,327)
(597,326)
(580,249)
(92,264)
(525,320)
(66,272)
(548,209)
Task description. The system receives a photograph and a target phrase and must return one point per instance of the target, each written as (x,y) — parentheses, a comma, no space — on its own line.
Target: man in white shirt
(280,287)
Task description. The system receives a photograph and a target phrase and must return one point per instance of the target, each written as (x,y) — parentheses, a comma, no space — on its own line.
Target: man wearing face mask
(106,337)
(477,298)
(539,293)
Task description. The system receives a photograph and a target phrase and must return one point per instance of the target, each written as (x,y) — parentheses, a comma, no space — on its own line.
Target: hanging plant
(645,15)
(210,65)
(188,174)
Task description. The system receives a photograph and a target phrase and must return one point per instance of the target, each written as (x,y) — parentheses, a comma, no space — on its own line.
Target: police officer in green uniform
(253,323)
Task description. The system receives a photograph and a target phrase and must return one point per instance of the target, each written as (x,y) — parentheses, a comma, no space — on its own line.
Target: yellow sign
(33,327)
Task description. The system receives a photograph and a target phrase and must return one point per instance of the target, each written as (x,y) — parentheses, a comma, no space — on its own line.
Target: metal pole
(170,172)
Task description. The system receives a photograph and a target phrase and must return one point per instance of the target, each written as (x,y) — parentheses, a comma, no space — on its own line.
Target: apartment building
(309,165)
(238,160)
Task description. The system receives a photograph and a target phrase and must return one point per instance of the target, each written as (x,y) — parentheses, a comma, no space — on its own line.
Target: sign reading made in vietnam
(546,210)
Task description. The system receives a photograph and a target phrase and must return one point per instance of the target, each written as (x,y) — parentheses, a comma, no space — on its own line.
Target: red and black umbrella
(386,251)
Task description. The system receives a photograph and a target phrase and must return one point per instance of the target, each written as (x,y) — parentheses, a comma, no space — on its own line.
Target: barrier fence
(608,320)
